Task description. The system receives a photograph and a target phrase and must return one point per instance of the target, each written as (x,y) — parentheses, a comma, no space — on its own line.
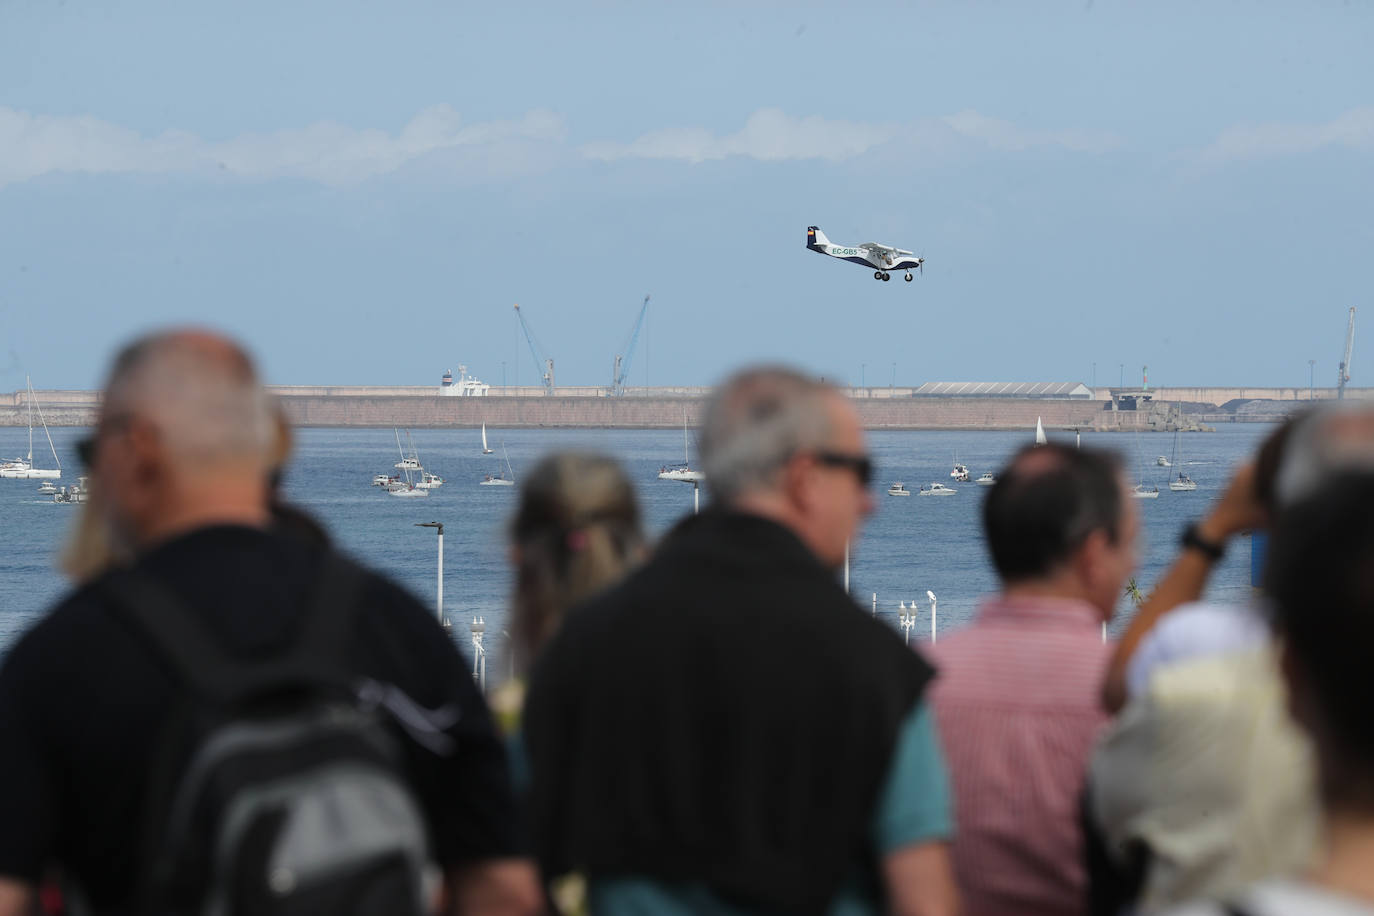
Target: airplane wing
(883,249)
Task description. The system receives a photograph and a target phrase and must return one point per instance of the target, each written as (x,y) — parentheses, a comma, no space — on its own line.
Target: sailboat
(1040,433)
(683,472)
(1181,483)
(506,479)
(407,464)
(22,468)
(486,450)
(1140,491)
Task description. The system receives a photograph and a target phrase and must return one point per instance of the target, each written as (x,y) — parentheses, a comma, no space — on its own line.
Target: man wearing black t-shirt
(179,460)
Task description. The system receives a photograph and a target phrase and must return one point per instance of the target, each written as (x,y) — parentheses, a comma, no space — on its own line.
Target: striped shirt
(1016,703)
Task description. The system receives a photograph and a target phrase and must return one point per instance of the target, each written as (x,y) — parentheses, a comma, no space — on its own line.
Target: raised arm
(1239,510)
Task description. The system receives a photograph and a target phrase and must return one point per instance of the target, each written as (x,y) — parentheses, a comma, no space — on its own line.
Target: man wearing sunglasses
(180,465)
(726,731)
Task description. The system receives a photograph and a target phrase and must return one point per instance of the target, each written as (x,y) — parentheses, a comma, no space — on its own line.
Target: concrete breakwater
(421,408)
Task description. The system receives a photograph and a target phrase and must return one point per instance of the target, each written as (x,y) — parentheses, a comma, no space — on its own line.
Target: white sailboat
(1181,483)
(22,468)
(1140,491)
(1040,433)
(407,464)
(486,450)
(684,472)
(500,479)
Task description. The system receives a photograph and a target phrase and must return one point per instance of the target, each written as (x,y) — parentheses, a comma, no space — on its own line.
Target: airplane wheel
(887,277)
(877,274)
(909,278)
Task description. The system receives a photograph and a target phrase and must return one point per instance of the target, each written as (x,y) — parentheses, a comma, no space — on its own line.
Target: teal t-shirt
(913,807)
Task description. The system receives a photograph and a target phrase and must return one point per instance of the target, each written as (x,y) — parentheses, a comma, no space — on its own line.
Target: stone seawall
(641,412)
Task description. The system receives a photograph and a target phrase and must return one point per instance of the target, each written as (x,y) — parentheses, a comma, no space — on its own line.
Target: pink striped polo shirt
(1016,703)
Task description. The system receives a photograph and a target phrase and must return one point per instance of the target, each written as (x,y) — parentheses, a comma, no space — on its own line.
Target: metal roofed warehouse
(1067,390)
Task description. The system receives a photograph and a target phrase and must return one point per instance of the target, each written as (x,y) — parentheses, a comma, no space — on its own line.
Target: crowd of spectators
(708,724)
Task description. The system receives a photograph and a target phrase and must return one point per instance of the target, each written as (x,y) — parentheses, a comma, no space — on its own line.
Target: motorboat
(408,463)
(1140,491)
(898,489)
(429,481)
(986,479)
(960,472)
(23,468)
(1164,462)
(937,489)
(385,480)
(73,495)
(47,488)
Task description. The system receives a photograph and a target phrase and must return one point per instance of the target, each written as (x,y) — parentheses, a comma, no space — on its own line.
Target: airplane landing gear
(886,277)
(908,277)
(877,274)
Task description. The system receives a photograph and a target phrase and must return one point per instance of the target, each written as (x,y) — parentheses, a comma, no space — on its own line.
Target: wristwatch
(1210,549)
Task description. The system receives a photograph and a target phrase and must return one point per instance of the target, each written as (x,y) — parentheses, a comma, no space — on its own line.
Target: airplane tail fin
(815,237)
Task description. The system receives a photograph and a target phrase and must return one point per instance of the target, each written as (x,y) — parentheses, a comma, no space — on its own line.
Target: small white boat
(407,490)
(1140,491)
(986,479)
(485,449)
(73,495)
(1182,483)
(1040,433)
(408,464)
(898,489)
(1163,462)
(960,472)
(384,480)
(47,488)
(429,481)
(937,489)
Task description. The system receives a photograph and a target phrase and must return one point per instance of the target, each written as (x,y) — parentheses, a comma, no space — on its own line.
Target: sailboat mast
(29,385)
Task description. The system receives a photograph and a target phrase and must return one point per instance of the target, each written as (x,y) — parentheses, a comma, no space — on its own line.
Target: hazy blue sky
(362,190)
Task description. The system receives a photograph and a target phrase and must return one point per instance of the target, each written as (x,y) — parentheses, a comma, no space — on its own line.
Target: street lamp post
(931,596)
(906,619)
(439,526)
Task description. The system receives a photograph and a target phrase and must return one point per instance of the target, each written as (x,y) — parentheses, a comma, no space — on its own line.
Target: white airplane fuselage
(878,258)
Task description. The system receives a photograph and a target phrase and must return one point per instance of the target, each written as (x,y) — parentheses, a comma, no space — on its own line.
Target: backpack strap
(181,637)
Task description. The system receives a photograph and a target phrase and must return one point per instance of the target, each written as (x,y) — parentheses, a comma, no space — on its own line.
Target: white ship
(466,387)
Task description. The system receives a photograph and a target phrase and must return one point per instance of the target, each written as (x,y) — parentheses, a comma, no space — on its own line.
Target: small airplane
(881,258)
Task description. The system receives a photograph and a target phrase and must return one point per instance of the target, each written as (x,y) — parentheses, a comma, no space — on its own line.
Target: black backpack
(276,791)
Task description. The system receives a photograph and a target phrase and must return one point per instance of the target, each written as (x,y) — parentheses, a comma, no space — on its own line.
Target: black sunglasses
(861,465)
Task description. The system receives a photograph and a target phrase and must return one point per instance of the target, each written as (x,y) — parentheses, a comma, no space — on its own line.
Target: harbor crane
(1343,373)
(537,351)
(621,372)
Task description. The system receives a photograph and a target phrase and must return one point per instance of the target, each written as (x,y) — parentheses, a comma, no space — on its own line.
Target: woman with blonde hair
(576,532)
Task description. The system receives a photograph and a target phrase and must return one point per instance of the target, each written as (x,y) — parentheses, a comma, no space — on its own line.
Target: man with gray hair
(93,699)
(726,731)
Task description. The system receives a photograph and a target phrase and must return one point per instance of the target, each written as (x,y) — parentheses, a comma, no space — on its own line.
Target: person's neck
(1346,865)
(775,508)
(1060,588)
(203,503)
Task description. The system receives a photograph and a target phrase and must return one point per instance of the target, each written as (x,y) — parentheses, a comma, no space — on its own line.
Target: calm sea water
(909,545)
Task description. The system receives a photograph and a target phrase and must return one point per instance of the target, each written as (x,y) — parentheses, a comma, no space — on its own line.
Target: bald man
(180,459)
